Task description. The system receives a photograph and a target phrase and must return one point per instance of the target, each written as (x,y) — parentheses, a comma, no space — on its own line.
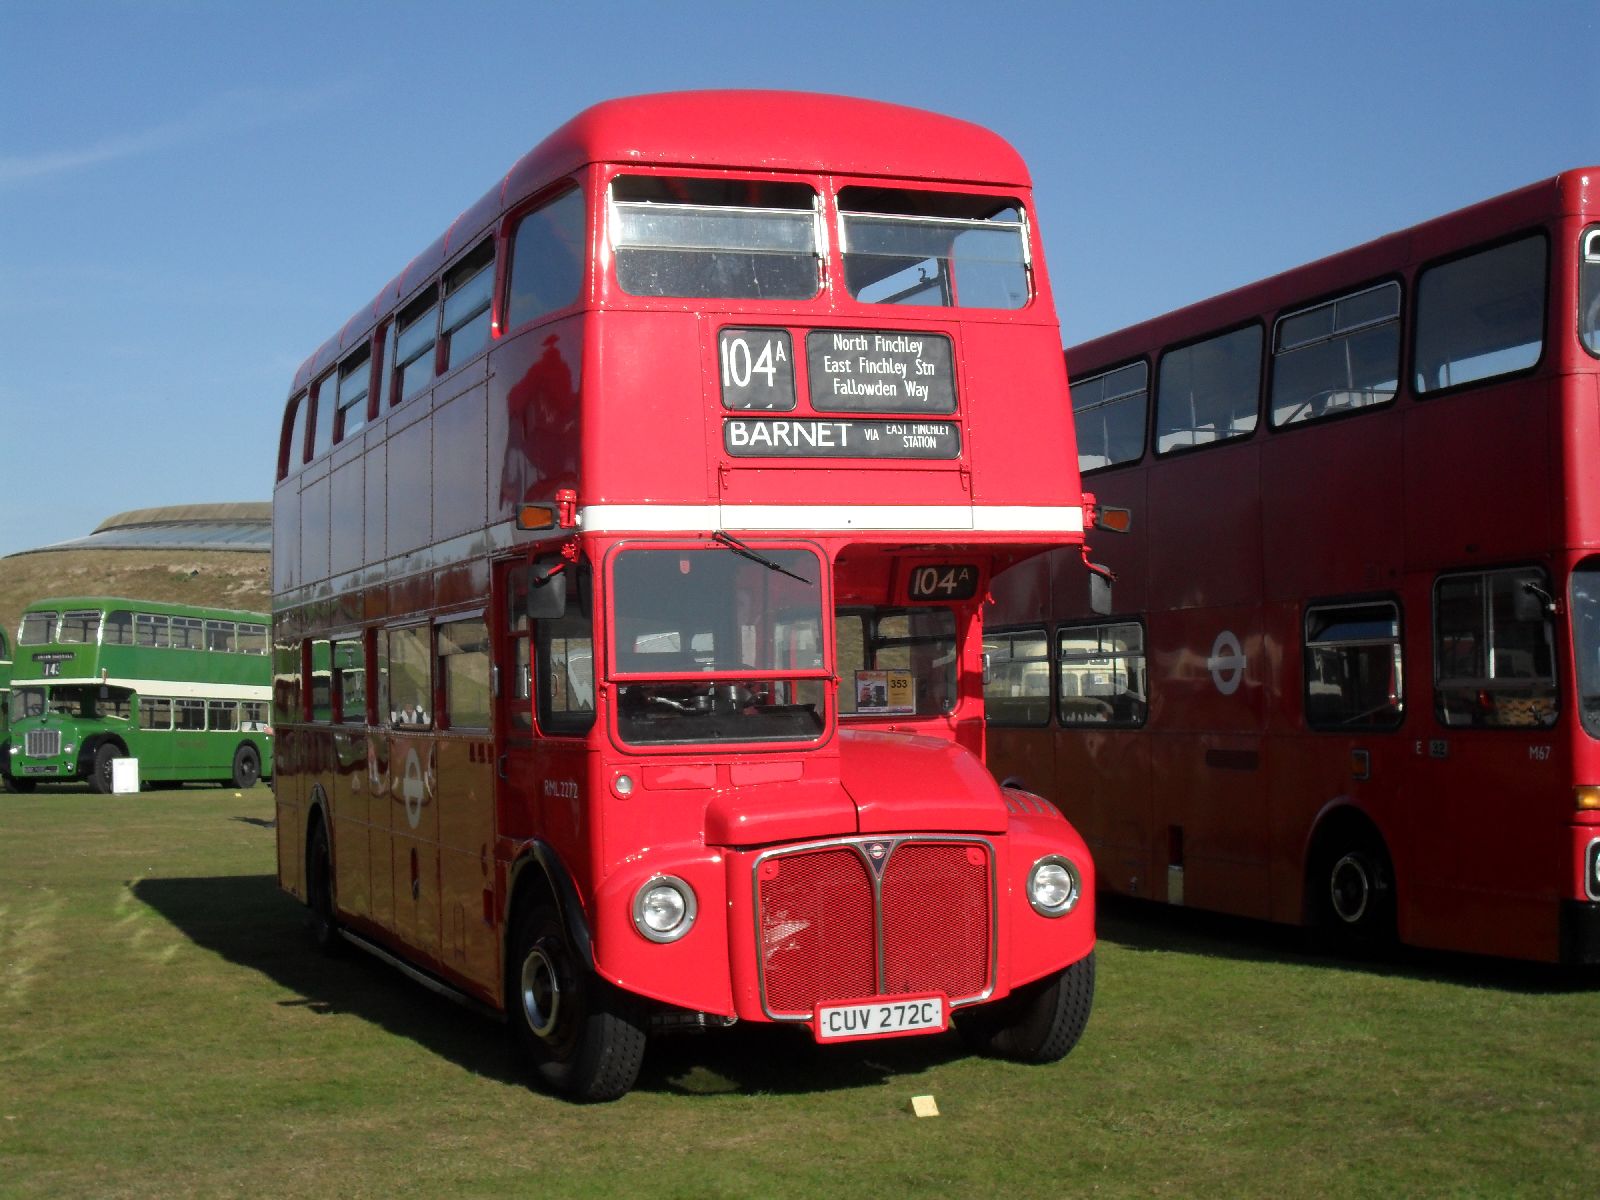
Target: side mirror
(547,590)
(1100,592)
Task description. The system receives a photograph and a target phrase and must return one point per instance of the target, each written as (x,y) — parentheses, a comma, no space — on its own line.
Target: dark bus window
(1016,676)
(1481,316)
(415,333)
(701,238)
(327,407)
(1108,411)
(1101,674)
(1494,658)
(1208,391)
(464,673)
(934,248)
(1352,666)
(410,679)
(292,453)
(467,291)
(1589,291)
(565,663)
(547,258)
(355,381)
(1338,356)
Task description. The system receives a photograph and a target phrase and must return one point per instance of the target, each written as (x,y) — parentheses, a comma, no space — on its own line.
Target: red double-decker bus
(629,551)
(1353,674)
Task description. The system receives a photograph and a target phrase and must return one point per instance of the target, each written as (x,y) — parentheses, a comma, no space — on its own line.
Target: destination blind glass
(756,437)
(867,370)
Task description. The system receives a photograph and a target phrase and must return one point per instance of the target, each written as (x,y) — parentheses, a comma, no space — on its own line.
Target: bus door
(545,697)
(413,816)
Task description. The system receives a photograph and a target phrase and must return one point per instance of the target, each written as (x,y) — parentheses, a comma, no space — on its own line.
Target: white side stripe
(976,518)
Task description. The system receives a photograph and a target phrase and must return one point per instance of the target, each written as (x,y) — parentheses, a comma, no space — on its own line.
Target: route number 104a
(757,369)
(944,581)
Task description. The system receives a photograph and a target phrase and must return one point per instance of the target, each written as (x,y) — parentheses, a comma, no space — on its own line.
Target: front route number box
(899,1016)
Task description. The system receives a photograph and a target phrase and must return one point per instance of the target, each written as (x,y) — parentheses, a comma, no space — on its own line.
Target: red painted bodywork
(1480,823)
(614,401)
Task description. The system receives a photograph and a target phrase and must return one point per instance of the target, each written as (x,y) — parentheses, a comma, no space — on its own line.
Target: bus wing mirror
(1100,593)
(547,590)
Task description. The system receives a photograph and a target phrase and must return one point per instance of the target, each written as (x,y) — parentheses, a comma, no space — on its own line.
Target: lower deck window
(1352,666)
(1494,661)
(1101,674)
(1016,677)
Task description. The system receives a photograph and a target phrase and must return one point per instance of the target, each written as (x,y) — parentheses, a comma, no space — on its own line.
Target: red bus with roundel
(1353,674)
(629,552)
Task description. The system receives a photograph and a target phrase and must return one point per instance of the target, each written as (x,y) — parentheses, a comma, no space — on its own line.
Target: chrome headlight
(1054,887)
(664,909)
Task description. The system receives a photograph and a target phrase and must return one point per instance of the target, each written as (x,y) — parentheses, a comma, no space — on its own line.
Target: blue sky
(193,195)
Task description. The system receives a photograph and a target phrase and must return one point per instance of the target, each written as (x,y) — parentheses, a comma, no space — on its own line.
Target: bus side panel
(1102,778)
(532,419)
(380,810)
(346,776)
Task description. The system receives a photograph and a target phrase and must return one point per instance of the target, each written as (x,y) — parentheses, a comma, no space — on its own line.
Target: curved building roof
(243,526)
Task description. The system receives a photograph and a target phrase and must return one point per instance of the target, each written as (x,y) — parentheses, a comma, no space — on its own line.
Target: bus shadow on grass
(1146,925)
(248,921)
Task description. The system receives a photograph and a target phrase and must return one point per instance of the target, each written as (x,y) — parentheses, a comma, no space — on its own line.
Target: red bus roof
(1572,193)
(714,130)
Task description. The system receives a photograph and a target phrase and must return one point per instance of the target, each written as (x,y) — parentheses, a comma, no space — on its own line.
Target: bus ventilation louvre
(825,929)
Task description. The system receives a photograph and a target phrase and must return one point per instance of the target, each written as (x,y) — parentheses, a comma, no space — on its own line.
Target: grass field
(166,1029)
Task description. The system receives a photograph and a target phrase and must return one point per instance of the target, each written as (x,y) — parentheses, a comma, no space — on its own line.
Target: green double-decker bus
(184,690)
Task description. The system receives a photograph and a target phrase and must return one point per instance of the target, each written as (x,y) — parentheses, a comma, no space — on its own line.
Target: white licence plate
(881,1018)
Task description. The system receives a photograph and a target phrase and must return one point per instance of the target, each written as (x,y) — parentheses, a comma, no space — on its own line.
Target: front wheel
(246,767)
(1039,1023)
(100,773)
(579,1035)
(21,786)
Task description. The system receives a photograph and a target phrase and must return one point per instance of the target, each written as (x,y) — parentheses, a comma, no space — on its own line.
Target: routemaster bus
(644,522)
(185,690)
(1353,674)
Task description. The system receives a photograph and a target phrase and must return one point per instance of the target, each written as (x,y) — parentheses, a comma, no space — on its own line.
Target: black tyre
(1039,1023)
(579,1036)
(319,892)
(21,786)
(246,767)
(1354,892)
(100,772)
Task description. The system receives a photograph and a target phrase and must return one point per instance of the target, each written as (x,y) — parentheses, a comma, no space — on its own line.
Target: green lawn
(166,1029)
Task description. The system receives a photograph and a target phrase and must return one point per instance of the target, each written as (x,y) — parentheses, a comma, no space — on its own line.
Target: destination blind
(875,370)
(758,437)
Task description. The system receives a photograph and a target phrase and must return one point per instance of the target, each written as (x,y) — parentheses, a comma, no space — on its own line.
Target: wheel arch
(538,874)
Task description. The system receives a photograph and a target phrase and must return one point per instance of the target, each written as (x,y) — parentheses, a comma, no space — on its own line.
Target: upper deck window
(81,626)
(415,332)
(1109,412)
(1338,356)
(1589,291)
(741,239)
(934,248)
(1481,316)
(327,407)
(1208,391)
(292,453)
(467,289)
(38,628)
(547,256)
(355,380)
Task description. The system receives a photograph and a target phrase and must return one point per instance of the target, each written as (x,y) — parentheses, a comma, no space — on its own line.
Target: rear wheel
(246,767)
(580,1036)
(319,892)
(100,773)
(1355,891)
(1039,1023)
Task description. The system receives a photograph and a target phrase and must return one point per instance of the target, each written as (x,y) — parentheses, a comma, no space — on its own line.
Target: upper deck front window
(740,239)
(718,645)
(934,248)
(1589,291)
(38,628)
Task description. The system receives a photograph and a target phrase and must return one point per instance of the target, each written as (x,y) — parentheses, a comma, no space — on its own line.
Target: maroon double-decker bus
(1353,675)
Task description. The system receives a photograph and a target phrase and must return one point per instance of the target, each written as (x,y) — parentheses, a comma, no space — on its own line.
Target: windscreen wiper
(744,551)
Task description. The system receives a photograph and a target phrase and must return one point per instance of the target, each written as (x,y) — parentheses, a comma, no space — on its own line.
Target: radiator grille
(822,924)
(42,743)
